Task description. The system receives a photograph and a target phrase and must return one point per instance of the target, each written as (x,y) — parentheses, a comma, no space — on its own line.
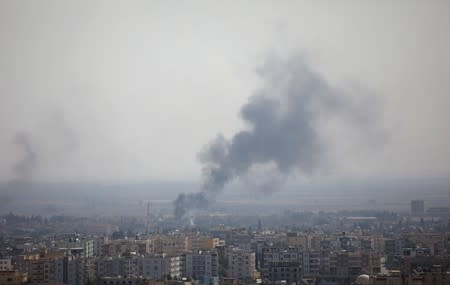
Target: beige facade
(12,277)
(202,242)
(169,244)
(5,265)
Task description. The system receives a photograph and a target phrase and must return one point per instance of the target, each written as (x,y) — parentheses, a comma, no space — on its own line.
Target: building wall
(194,243)
(5,265)
(155,267)
(12,278)
(201,264)
(241,264)
(171,245)
(282,264)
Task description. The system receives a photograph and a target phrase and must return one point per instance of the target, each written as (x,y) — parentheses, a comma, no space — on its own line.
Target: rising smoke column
(36,151)
(283,131)
(24,168)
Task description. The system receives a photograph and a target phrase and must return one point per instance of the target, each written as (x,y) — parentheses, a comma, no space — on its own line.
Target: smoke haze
(129,91)
(24,168)
(52,144)
(283,133)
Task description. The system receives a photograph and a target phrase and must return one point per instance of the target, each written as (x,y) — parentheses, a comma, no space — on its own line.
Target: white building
(5,265)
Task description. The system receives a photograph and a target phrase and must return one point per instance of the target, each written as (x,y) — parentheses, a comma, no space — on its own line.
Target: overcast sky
(133,90)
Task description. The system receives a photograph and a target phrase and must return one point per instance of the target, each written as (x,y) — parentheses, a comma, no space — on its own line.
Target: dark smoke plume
(196,200)
(24,168)
(282,132)
(55,140)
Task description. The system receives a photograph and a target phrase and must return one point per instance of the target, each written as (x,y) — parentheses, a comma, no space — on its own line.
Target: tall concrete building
(84,247)
(201,265)
(282,264)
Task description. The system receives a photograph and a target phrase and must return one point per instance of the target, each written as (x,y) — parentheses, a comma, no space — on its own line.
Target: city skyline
(224,142)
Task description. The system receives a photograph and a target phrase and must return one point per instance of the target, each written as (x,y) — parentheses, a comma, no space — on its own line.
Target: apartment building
(282,264)
(241,264)
(201,265)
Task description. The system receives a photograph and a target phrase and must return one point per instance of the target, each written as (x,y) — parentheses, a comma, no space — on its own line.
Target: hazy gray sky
(133,90)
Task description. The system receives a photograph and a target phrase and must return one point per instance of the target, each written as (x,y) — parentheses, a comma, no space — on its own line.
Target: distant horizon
(131,198)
